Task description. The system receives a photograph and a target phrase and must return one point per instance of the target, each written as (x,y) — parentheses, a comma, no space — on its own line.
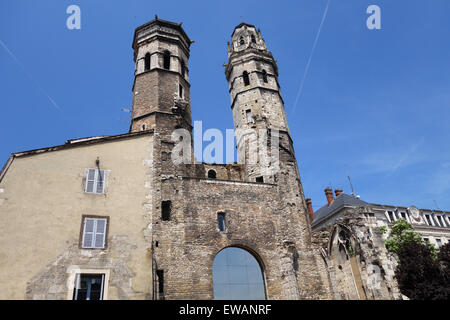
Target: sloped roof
(338,203)
(70,144)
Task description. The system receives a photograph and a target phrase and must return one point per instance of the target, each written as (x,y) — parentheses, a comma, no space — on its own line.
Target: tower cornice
(170,31)
(248,55)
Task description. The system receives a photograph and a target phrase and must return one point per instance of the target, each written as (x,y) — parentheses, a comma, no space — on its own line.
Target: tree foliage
(423,272)
(403,233)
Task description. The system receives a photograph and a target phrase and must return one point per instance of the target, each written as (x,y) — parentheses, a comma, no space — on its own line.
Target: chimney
(310,209)
(337,192)
(329,195)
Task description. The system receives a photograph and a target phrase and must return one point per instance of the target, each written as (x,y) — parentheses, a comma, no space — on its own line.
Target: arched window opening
(241,40)
(212,174)
(237,275)
(264,74)
(147,61)
(221,221)
(253,39)
(246,78)
(166,58)
(183,68)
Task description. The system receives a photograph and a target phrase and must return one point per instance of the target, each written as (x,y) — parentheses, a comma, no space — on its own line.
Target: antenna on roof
(435,203)
(351,186)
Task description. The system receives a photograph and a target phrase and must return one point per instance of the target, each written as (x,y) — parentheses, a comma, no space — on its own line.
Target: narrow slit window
(166,207)
(147,61)
(166,60)
(221,221)
(183,68)
(264,74)
(95,181)
(94,233)
(89,287)
(248,115)
(160,275)
(246,78)
(180,91)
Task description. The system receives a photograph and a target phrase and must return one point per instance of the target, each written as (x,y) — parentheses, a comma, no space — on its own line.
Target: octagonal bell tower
(161,86)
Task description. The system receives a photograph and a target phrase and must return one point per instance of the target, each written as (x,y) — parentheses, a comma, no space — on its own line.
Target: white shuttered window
(94,232)
(95,181)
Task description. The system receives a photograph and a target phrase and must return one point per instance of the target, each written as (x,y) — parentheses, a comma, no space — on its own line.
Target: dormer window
(440,220)
(241,41)
(429,219)
(253,39)
(404,216)
(390,215)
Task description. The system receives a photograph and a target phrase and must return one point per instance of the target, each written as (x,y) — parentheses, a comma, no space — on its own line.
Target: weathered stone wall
(362,268)
(188,243)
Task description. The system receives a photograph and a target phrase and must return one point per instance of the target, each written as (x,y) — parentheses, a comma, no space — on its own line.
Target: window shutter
(88,233)
(100,186)
(100,233)
(90,178)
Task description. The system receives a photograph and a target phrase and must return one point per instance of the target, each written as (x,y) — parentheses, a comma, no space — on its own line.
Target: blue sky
(375,104)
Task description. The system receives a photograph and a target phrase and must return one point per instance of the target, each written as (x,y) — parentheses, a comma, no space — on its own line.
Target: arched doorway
(237,275)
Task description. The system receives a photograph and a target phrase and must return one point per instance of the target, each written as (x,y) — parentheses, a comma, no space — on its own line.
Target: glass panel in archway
(237,276)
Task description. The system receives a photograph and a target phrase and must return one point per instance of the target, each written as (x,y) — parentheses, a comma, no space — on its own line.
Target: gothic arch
(254,280)
(344,253)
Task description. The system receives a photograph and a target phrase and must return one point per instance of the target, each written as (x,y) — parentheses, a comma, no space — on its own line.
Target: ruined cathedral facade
(114,217)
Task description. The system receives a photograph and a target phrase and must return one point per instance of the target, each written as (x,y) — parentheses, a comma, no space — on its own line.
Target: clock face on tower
(415,213)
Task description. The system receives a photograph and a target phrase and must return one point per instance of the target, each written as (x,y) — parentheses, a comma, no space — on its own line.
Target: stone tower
(256,102)
(258,108)
(161,82)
